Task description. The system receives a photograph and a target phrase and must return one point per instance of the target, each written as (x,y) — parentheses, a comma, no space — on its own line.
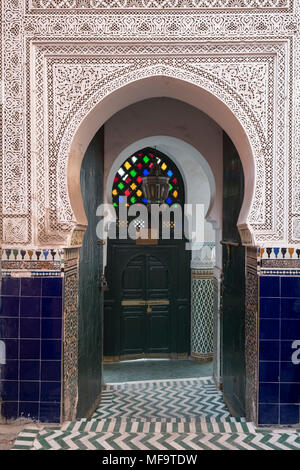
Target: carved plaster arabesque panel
(15,230)
(15,164)
(154,25)
(294,167)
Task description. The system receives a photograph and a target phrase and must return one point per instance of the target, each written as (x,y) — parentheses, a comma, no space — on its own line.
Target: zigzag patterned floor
(163,415)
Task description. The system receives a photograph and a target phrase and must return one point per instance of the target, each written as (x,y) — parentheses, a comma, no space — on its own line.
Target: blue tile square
(269,371)
(9,409)
(51,349)
(9,327)
(51,328)
(30,349)
(9,390)
(9,306)
(10,286)
(49,413)
(289,414)
(269,329)
(30,328)
(290,308)
(290,329)
(29,391)
(30,370)
(268,393)
(269,286)
(269,307)
(12,348)
(269,350)
(10,371)
(289,372)
(52,307)
(268,414)
(30,307)
(290,286)
(50,391)
(290,393)
(31,287)
(52,287)
(29,410)
(51,371)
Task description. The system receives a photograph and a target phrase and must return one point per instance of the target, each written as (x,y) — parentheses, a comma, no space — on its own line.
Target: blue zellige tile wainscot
(279,350)
(31,330)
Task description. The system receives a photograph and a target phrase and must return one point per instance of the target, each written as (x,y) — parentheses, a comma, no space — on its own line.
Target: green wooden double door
(147,305)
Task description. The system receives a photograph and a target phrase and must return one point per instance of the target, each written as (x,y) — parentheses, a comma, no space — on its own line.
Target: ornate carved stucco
(57,67)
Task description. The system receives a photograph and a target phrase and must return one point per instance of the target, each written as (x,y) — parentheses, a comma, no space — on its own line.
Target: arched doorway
(146,309)
(76,152)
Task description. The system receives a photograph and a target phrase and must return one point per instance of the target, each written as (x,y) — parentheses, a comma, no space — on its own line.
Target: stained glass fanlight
(129,178)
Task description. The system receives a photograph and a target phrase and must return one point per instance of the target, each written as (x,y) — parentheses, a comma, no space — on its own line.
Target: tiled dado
(31,330)
(279,350)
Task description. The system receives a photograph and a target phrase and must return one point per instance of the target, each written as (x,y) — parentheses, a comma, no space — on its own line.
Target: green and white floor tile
(164,415)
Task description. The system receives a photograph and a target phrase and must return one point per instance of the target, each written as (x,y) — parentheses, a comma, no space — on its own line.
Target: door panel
(158,279)
(233,285)
(133,279)
(145,329)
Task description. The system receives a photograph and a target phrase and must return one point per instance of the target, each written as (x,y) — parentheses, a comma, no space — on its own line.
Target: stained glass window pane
(128,180)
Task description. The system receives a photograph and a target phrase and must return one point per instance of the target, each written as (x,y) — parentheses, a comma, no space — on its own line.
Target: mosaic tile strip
(39,266)
(217,327)
(15,254)
(70,336)
(26,439)
(287,253)
(280,272)
(251,342)
(159,425)
(279,261)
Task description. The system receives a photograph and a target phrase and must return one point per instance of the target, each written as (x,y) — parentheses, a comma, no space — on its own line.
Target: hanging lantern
(155,186)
